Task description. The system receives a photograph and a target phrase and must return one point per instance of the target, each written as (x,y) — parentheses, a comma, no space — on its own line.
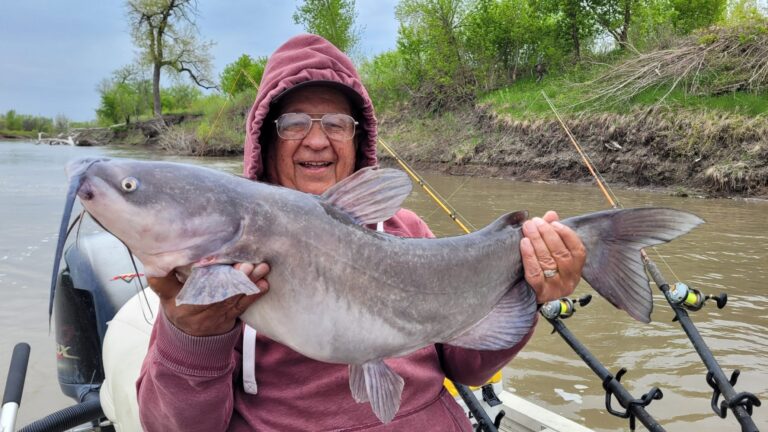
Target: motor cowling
(97,279)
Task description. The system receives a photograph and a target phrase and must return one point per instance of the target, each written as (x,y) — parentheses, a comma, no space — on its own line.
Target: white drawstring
(249,360)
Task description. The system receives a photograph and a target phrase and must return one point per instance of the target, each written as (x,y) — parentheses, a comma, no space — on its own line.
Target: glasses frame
(313,118)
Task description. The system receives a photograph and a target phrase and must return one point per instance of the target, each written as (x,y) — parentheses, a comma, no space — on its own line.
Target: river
(728,254)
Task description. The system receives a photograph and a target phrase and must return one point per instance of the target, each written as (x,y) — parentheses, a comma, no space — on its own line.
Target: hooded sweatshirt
(190,383)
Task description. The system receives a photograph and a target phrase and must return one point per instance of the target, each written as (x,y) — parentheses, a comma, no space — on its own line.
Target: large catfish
(343,293)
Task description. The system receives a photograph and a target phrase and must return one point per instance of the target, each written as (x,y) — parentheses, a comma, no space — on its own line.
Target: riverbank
(687,153)
(683,152)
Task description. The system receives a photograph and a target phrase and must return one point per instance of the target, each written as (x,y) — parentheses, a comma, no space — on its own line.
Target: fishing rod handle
(17,372)
(14,387)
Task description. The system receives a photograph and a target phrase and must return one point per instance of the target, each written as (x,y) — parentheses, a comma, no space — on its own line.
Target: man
(311,126)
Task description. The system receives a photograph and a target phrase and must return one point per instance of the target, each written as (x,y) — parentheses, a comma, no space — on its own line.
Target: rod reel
(564,307)
(692,299)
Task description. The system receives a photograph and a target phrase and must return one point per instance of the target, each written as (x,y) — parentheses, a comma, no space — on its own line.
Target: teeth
(315,164)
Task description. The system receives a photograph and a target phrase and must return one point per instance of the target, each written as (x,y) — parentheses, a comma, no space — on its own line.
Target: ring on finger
(549,273)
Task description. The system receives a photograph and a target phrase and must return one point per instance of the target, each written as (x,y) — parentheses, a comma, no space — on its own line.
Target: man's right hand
(213,319)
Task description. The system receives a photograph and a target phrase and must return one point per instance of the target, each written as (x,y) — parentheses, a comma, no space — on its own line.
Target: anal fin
(507,323)
(357,383)
(214,283)
(383,387)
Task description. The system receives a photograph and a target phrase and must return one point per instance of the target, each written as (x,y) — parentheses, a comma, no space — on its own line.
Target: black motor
(98,278)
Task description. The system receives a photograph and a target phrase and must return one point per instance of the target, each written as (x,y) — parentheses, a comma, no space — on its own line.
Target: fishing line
(140,289)
(452,212)
(613,200)
(450,196)
(741,404)
(611,384)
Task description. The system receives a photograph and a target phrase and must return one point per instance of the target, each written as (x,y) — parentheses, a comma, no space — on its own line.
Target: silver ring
(548,273)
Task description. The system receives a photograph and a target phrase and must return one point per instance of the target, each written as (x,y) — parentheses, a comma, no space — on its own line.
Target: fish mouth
(85,191)
(76,170)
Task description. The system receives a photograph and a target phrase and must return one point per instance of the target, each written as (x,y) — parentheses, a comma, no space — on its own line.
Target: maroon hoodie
(192,383)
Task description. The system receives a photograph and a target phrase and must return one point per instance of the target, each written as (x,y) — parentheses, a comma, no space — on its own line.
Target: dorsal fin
(514,219)
(370,195)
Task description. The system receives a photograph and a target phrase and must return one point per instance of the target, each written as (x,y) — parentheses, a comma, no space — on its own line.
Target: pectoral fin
(383,388)
(214,283)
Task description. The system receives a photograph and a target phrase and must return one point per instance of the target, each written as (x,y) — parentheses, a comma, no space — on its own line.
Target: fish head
(169,215)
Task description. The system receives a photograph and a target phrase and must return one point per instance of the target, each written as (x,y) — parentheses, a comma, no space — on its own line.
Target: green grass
(524,99)
(18,133)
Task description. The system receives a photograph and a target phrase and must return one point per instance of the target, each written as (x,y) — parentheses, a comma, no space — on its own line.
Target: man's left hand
(553,257)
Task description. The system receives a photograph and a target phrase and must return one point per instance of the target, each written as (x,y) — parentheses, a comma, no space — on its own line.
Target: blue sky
(53,54)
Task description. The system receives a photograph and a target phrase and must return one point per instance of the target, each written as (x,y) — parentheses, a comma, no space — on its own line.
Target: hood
(302,60)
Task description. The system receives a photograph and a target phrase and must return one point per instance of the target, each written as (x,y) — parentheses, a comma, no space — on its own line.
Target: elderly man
(311,126)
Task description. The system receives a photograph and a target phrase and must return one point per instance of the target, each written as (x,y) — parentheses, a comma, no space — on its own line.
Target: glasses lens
(293,125)
(338,126)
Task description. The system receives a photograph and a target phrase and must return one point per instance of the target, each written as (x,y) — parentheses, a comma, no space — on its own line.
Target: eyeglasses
(295,126)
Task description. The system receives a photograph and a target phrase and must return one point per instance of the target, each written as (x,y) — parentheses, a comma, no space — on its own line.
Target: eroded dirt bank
(686,153)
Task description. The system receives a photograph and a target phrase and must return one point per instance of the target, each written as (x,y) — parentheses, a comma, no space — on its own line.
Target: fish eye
(129,184)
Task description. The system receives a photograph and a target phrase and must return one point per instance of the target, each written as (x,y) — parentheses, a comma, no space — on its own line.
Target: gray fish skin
(342,293)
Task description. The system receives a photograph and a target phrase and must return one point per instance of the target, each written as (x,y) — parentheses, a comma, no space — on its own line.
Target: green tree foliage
(502,38)
(119,102)
(384,78)
(232,80)
(180,97)
(743,11)
(690,15)
(14,122)
(431,42)
(574,23)
(127,94)
(331,19)
(166,35)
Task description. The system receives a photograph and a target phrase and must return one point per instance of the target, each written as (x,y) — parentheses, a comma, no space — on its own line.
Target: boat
(102,329)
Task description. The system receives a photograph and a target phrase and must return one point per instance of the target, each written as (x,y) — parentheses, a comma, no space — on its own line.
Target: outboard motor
(97,279)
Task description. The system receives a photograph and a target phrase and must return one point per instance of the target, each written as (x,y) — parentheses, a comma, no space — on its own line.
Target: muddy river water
(728,254)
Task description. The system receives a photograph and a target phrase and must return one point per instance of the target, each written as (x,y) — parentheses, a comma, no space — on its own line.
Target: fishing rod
(557,310)
(553,311)
(681,297)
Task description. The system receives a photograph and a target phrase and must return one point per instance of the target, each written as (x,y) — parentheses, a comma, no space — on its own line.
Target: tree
(61,123)
(118,103)
(12,120)
(128,93)
(331,19)
(615,17)
(231,80)
(694,14)
(574,24)
(166,35)
(501,37)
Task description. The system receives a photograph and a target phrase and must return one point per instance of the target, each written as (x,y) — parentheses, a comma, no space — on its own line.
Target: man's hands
(550,245)
(213,319)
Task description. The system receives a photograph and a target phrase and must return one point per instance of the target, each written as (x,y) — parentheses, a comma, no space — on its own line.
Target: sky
(53,54)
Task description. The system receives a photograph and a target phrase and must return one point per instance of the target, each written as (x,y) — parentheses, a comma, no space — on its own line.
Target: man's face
(316,162)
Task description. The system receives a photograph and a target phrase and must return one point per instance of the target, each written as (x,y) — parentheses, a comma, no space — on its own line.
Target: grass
(18,133)
(524,100)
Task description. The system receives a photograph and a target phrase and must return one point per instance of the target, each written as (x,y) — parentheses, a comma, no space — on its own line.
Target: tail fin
(613,240)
